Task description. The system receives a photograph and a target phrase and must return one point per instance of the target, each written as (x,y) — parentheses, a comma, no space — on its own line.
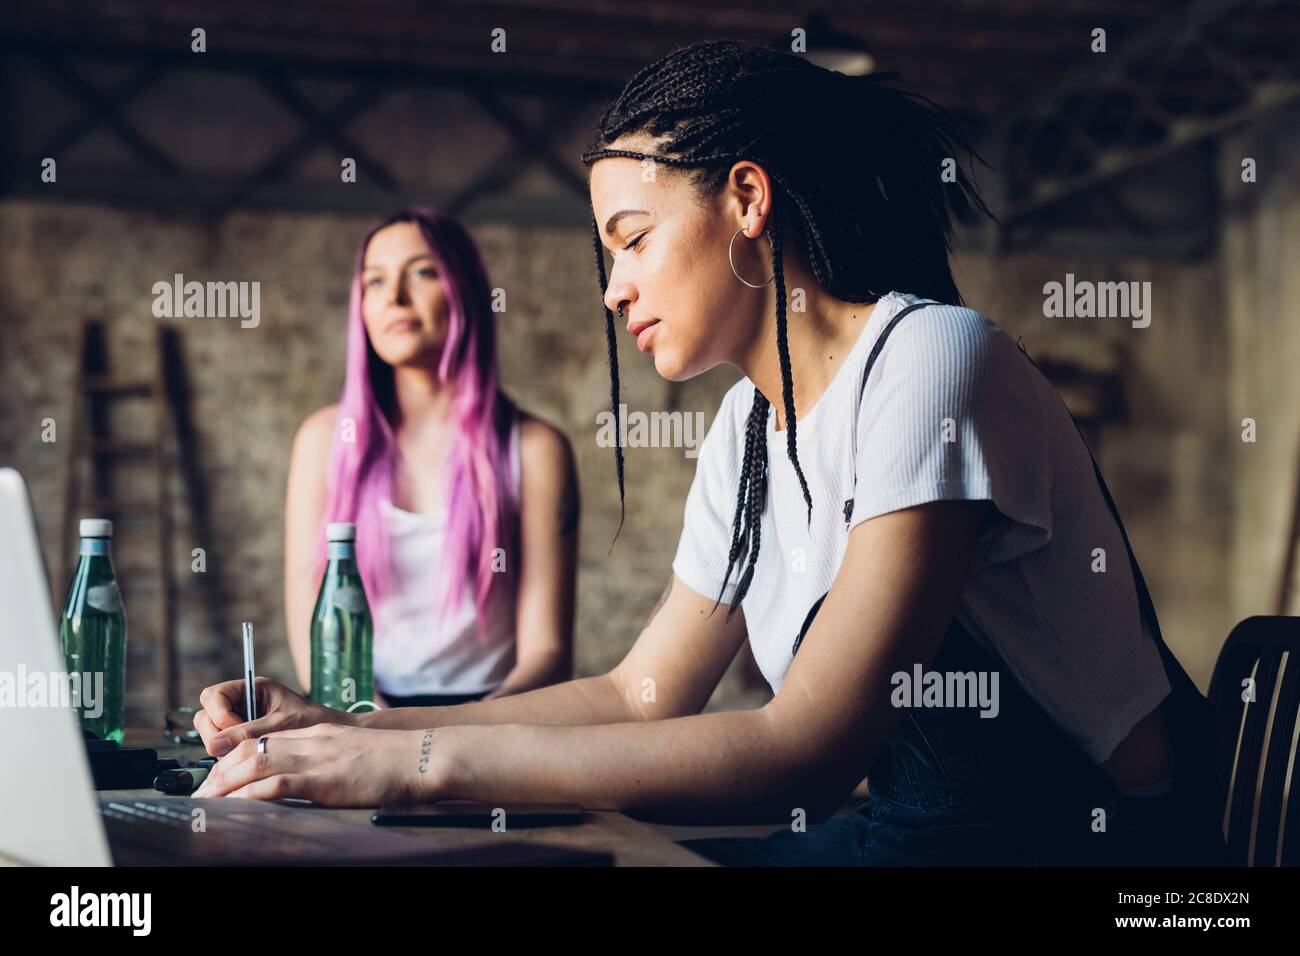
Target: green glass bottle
(342,634)
(92,630)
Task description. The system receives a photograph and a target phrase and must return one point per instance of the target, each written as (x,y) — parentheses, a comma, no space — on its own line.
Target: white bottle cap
(96,528)
(341,531)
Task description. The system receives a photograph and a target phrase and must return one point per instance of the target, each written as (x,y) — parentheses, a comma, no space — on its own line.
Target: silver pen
(250,696)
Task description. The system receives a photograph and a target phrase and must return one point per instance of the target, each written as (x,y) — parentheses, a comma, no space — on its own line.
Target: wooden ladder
(93,443)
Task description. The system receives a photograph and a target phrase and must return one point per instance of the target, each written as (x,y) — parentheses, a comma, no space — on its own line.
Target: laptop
(51,815)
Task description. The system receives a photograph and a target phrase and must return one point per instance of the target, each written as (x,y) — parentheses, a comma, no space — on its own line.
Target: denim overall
(954,788)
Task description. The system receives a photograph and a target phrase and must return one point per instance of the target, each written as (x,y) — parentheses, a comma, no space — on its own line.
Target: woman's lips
(642,332)
(402,325)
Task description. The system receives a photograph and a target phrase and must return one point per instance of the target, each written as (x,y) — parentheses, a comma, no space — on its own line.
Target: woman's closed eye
(635,243)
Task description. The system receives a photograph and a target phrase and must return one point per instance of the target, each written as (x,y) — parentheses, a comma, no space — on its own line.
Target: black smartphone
(472,813)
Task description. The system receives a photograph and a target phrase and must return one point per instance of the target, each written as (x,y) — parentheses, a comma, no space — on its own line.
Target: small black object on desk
(115,767)
(121,768)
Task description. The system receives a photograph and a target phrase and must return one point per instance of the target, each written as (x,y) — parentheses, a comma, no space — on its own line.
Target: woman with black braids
(893,497)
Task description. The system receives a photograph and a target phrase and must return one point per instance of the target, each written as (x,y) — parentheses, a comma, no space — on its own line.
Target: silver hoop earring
(732,259)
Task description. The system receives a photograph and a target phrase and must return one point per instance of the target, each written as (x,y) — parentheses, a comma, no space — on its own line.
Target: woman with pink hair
(466,507)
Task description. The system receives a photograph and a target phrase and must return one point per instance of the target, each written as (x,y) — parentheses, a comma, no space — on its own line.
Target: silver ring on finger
(261,744)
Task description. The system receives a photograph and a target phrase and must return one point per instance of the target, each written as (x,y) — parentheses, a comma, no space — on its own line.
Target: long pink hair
(481,506)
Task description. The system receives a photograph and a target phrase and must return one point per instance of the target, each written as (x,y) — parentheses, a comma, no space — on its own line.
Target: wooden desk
(631,842)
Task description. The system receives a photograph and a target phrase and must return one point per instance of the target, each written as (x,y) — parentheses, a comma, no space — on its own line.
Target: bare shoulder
(550,481)
(307,485)
(543,448)
(315,434)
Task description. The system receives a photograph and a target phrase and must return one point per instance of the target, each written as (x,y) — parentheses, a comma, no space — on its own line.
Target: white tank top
(414,652)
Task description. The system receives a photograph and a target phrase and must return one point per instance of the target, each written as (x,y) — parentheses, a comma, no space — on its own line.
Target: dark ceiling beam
(620,42)
(90,119)
(1051,151)
(500,81)
(374,20)
(106,108)
(940,78)
(275,169)
(329,126)
(502,171)
(531,142)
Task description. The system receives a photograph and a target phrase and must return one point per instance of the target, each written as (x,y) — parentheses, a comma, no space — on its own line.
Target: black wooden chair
(1256,740)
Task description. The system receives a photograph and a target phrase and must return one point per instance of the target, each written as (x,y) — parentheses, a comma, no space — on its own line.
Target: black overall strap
(848,504)
(871,361)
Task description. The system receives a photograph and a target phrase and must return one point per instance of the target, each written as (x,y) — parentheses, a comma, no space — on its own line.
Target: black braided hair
(611,346)
(783,356)
(817,133)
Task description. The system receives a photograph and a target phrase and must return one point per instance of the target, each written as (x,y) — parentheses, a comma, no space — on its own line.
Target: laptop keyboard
(165,825)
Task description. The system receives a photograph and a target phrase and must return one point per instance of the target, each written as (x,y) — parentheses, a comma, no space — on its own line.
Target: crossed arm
(634,739)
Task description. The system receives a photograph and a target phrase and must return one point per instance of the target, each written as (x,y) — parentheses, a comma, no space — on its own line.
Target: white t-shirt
(1071,637)
(415,652)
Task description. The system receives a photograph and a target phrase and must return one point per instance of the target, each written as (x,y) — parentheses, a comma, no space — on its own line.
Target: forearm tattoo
(426,747)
